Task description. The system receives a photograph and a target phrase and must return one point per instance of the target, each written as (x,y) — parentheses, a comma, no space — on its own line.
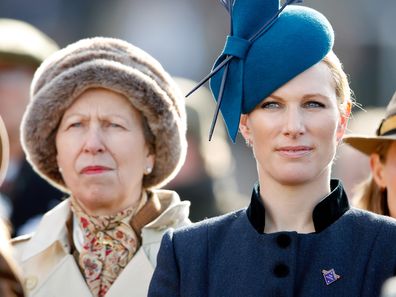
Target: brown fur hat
(115,65)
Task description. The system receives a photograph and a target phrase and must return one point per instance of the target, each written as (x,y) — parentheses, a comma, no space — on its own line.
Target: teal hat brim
(299,38)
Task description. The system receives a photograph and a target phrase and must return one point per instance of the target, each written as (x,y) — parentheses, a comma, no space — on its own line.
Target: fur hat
(115,65)
(269,45)
(386,131)
(4,151)
(22,43)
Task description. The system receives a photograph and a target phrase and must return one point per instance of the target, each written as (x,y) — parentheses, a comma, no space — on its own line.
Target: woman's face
(102,152)
(295,131)
(384,174)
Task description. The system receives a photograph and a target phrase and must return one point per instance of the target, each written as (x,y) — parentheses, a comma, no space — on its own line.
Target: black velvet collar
(324,214)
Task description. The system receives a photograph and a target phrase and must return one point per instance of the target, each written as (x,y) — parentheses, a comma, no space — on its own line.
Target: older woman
(286,91)
(378,192)
(106,125)
(10,283)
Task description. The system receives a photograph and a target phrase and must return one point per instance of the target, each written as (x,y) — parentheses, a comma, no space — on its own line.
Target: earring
(148,170)
(60,169)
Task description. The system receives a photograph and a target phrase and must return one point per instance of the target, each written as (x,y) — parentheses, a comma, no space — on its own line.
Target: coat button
(283,240)
(31,282)
(281,270)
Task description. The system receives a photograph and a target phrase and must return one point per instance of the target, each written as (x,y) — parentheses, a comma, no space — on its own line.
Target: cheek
(327,127)
(390,173)
(130,151)
(262,127)
(66,152)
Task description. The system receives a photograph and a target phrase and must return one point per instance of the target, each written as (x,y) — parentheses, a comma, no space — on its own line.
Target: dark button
(281,270)
(283,240)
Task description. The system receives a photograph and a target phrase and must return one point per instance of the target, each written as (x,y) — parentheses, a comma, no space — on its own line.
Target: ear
(343,122)
(150,160)
(377,170)
(244,128)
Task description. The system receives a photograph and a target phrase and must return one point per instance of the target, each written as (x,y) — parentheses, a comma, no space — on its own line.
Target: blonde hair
(369,195)
(342,88)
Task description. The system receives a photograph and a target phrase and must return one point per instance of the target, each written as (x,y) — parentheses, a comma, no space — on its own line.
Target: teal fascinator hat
(269,44)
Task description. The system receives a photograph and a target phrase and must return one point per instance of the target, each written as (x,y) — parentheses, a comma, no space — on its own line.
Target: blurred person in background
(25,196)
(207,177)
(106,125)
(378,192)
(10,281)
(350,165)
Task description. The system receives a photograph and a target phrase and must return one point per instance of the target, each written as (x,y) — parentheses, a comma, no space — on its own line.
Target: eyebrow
(78,114)
(306,96)
(315,95)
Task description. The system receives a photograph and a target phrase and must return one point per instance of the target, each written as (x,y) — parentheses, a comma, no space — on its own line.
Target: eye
(114,125)
(270,105)
(75,125)
(314,104)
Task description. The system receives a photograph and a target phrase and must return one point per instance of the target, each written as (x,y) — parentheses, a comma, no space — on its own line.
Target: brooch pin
(330,276)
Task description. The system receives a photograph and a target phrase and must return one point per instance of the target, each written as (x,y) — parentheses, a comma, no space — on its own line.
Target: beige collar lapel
(134,279)
(64,280)
(51,229)
(175,210)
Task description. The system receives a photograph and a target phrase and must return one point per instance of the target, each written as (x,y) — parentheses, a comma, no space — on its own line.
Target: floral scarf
(109,244)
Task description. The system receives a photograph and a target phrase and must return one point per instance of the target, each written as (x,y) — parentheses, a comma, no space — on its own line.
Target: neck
(104,209)
(290,207)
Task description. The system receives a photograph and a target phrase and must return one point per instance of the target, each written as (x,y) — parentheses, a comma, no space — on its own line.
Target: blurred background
(187,35)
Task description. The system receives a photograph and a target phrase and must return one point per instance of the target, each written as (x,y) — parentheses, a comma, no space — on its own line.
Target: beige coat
(49,270)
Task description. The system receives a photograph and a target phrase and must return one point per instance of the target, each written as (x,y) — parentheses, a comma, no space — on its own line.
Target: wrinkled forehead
(103,102)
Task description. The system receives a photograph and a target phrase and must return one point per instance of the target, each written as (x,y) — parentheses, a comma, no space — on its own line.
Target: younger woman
(298,236)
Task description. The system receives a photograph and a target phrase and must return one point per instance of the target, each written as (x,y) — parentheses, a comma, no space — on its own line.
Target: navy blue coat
(227,256)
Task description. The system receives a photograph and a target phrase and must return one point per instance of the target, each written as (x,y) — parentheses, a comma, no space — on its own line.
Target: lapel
(51,229)
(60,276)
(134,280)
(64,281)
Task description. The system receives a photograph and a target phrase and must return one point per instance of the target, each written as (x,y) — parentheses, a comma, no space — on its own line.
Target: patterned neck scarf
(109,244)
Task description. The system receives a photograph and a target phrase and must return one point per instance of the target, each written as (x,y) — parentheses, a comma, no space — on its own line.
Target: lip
(294,151)
(95,169)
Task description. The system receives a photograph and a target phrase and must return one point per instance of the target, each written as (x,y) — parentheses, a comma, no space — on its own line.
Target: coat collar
(52,227)
(324,214)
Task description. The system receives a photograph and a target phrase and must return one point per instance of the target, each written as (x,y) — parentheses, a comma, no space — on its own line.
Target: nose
(294,122)
(94,141)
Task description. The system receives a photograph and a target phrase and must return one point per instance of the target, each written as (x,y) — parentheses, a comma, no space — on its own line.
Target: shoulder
(174,212)
(19,240)
(209,227)
(196,243)
(19,244)
(51,229)
(370,219)
(371,224)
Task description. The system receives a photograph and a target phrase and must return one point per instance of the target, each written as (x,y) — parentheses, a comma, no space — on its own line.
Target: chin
(95,197)
(295,177)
